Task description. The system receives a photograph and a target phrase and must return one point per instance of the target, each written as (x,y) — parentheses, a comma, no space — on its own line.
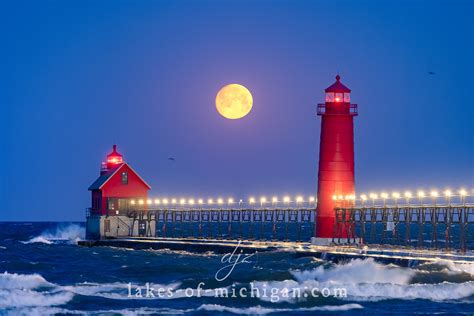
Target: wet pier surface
(385,254)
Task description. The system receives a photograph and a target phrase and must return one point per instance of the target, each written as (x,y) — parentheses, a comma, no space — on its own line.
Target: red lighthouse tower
(336,159)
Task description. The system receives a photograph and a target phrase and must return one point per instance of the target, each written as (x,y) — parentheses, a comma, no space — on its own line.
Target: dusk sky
(78,76)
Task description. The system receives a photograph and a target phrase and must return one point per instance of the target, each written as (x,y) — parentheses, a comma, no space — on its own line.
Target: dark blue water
(43,271)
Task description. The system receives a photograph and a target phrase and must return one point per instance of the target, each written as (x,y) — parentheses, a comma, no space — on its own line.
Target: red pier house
(117,184)
(336,160)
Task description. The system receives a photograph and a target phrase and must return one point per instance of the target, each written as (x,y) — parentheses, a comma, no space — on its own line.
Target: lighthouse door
(141,228)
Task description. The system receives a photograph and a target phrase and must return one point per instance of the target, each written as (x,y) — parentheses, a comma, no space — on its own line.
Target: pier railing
(421,226)
(247,224)
(342,109)
(434,222)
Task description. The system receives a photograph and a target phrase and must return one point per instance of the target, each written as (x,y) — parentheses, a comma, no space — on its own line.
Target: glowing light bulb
(230,201)
(384,195)
(200,202)
(263,200)
(174,201)
(363,197)
(396,195)
(165,201)
(251,200)
(311,199)
(421,194)
(220,201)
(408,194)
(274,199)
(191,202)
(334,197)
(373,196)
(148,202)
(299,199)
(447,193)
(434,194)
(286,199)
(462,192)
(182,201)
(132,202)
(140,202)
(157,202)
(210,201)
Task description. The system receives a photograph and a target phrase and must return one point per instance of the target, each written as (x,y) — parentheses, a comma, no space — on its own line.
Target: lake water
(43,271)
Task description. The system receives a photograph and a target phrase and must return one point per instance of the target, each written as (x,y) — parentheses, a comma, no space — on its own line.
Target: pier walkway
(387,254)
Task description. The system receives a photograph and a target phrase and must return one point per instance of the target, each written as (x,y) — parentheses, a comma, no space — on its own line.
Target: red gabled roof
(103,179)
(338,86)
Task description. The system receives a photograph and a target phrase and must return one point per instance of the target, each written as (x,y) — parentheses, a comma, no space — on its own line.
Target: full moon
(234,101)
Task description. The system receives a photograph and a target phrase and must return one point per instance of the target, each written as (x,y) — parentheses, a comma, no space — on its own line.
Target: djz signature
(232,260)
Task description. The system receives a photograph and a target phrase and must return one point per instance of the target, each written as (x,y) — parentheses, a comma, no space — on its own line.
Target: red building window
(124,178)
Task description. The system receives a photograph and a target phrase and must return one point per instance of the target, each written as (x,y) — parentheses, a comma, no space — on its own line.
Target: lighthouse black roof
(338,86)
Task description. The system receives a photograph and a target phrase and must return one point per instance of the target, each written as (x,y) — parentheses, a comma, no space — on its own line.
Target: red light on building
(114,158)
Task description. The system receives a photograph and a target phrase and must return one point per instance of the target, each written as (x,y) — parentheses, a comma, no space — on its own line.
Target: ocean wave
(259,310)
(42,311)
(17,290)
(456,268)
(63,234)
(20,298)
(367,280)
(116,291)
(11,281)
(33,290)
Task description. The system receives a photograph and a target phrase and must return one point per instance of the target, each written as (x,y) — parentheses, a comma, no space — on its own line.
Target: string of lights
(407,197)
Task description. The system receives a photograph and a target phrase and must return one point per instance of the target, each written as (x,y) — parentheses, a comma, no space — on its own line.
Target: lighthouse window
(329,97)
(338,97)
(347,97)
(124,177)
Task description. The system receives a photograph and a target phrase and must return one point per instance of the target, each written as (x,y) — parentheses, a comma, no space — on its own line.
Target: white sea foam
(456,268)
(33,290)
(358,271)
(69,234)
(11,281)
(18,298)
(21,290)
(259,310)
(39,239)
(366,280)
(117,291)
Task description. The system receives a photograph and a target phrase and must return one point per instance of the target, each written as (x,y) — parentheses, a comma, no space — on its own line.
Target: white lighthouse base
(317,241)
(101,226)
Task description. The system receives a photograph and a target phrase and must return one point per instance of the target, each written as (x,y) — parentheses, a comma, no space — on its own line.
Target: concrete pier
(396,255)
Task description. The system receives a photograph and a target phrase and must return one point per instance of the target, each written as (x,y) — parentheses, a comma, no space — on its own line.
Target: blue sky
(77,76)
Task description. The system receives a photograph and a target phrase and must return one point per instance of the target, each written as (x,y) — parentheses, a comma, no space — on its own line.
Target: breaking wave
(367,280)
(20,290)
(363,280)
(32,290)
(63,234)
